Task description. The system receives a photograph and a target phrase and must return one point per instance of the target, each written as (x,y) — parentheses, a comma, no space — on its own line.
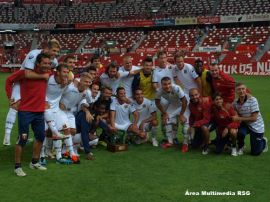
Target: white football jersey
(30,60)
(122,112)
(159,73)
(72,97)
(173,97)
(126,82)
(186,76)
(54,93)
(145,109)
(89,99)
(112,82)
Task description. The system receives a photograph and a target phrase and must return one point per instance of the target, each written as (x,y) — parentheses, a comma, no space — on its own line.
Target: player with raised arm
(30,111)
(52,49)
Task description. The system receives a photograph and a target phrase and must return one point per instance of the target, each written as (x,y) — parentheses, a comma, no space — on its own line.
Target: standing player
(28,64)
(95,62)
(251,122)
(222,83)
(177,104)
(70,62)
(186,74)
(164,69)
(147,115)
(127,81)
(143,79)
(205,78)
(93,73)
(112,77)
(31,111)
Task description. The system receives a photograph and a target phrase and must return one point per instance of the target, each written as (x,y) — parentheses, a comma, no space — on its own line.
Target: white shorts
(147,127)
(58,117)
(154,104)
(16,92)
(174,110)
(123,126)
(164,102)
(71,119)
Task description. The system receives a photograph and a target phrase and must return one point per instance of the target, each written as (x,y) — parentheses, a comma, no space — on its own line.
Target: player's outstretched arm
(30,74)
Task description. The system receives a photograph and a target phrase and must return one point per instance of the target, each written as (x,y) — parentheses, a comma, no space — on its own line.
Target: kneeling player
(147,115)
(199,119)
(120,111)
(222,114)
(251,122)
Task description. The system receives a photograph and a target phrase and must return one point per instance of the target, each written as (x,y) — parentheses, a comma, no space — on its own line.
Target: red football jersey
(33,91)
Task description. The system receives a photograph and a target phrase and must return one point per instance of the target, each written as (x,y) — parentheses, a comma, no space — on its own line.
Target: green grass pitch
(143,173)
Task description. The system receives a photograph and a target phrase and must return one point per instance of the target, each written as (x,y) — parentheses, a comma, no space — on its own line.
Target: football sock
(57,144)
(10,120)
(69,145)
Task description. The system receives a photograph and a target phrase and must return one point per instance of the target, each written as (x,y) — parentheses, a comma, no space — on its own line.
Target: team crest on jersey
(199,108)
(144,106)
(185,71)
(126,106)
(31,57)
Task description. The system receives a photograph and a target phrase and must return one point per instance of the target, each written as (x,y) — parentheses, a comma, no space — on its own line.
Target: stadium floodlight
(7,30)
(154,9)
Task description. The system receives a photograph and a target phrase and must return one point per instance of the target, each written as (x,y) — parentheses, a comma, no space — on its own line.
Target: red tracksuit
(223,117)
(33,91)
(200,112)
(225,85)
